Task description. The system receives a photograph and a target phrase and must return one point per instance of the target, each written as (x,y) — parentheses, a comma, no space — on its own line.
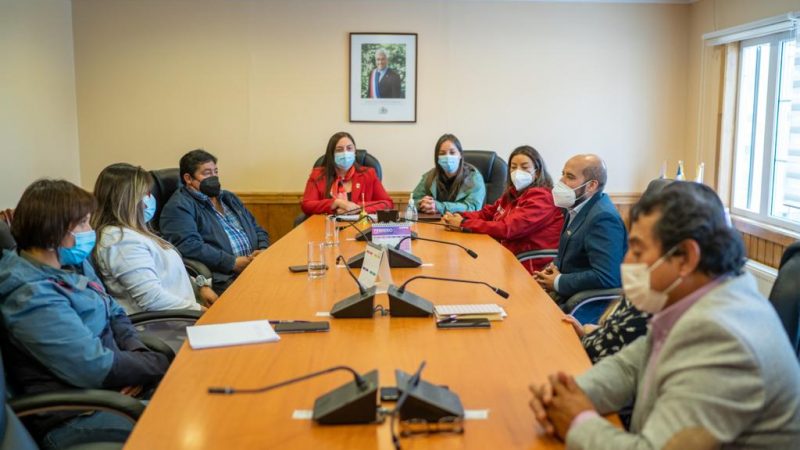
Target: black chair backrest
(785,295)
(7,241)
(362,158)
(493,169)
(13,435)
(165,183)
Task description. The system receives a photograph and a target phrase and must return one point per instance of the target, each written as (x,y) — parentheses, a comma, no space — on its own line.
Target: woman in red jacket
(524,218)
(340,184)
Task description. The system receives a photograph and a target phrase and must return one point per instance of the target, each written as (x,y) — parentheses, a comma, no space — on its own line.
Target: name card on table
(375,268)
(390,234)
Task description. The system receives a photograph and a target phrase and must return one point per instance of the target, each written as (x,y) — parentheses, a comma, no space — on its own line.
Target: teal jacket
(470,197)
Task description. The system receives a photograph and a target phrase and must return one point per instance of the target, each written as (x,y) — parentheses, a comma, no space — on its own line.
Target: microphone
(469,252)
(356,306)
(411,384)
(350,403)
(363,235)
(403,303)
(355,210)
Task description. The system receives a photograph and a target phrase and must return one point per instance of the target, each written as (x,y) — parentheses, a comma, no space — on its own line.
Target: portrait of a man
(383,81)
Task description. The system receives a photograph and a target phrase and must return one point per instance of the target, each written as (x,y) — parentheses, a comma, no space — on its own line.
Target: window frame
(770,131)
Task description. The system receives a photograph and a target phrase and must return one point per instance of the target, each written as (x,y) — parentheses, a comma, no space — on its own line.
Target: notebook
(489,311)
(227,334)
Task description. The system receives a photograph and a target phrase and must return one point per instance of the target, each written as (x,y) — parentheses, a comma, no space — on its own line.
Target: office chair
(165,183)
(493,169)
(14,435)
(363,158)
(785,295)
(7,241)
(590,305)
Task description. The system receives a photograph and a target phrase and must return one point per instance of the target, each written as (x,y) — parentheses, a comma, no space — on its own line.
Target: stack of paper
(484,311)
(226,334)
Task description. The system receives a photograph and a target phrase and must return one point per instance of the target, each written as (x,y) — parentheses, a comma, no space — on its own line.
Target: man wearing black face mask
(209,224)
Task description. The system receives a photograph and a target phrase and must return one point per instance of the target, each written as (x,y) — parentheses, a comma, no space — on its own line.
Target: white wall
(38,118)
(263,84)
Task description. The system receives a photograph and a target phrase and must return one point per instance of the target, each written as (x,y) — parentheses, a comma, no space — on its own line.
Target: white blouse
(141,274)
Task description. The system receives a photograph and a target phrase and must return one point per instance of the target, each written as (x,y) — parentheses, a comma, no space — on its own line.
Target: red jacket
(530,222)
(316,199)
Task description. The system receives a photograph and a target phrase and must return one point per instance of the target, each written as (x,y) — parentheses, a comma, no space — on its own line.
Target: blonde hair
(119,190)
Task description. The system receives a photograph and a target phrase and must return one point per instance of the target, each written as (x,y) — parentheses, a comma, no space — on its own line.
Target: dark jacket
(390,85)
(591,249)
(61,330)
(192,226)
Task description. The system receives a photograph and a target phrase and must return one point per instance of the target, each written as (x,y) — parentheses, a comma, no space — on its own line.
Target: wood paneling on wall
(276,212)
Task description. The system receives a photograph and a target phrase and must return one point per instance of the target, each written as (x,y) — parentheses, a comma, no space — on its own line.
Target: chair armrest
(537,254)
(171,314)
(157,345)
(195,268)
(590,296)
(78,399)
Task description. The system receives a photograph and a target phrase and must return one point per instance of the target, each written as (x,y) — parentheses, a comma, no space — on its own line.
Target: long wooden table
(488,368)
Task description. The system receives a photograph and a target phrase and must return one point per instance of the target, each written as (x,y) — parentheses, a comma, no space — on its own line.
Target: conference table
(490,369)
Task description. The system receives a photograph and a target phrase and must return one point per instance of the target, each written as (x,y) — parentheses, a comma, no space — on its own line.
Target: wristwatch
(201,281)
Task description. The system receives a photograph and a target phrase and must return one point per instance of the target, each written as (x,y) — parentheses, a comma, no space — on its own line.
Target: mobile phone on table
(463,323)
(301,327)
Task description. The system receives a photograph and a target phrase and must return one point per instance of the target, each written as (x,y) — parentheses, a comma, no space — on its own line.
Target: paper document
(235,333)
(488,311)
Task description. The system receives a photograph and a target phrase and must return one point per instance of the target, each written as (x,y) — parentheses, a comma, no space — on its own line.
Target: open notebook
(234,333)
(482,311)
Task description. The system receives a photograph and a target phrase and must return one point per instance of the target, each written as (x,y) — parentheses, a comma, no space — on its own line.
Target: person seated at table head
(60,328)
(524,218)
(453,185)
(141,270)
(593,240)
(340,184)
(716,360)
(209,224)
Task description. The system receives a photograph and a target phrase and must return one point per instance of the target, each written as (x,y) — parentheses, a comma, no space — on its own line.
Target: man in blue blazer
(593,240)
(209,224)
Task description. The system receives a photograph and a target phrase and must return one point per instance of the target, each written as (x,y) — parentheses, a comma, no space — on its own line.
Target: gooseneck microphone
(228,390)
(356,306)
(353,402)
(403,303)
(469,251)
(497,290)
(413,382)
(355,210)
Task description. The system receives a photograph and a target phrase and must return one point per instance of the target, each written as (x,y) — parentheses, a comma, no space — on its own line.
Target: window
(766,165)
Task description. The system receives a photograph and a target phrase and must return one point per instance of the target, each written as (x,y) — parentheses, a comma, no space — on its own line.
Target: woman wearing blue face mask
(341,184)
(143,271)
(452,185)
(60,329)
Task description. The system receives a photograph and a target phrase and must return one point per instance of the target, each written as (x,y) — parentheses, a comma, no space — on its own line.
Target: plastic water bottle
(411,212)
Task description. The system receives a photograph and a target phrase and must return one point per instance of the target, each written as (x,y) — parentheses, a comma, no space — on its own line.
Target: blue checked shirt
(230,223)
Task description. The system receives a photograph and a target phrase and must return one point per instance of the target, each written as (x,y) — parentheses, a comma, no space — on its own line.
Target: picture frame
(383,77)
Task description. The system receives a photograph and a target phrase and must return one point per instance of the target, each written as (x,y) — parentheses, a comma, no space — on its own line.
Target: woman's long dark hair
(438,175)
(542,178)
(329,161)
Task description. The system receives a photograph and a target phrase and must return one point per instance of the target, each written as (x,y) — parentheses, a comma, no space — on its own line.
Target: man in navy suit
(593,240)
(383,81)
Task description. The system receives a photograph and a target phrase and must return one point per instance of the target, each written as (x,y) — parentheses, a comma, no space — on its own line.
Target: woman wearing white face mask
(716,362)
(142,271)
(452,185)
(524,218)
(340,184)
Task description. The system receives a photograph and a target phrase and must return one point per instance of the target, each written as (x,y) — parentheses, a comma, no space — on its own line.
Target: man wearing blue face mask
(716,365)
(61,329)
(209,224)
(593,240)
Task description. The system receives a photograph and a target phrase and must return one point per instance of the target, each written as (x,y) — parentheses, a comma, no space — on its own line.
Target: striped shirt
(240,243)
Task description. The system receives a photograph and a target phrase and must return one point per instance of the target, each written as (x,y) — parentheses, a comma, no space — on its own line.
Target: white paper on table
(234,333)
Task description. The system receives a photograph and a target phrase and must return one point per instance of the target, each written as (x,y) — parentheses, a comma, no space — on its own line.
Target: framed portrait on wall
(383,77)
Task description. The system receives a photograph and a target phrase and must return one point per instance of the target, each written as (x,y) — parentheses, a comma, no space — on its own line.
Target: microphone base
(427,401)
(348,404)
(407,304)
(357,306)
